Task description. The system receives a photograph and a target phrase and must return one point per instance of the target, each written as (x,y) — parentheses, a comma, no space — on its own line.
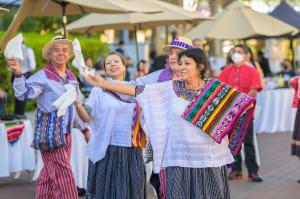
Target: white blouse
(176,142)
(110,125)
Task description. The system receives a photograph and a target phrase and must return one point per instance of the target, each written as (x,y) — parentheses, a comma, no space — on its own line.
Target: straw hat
(179,42)
(56,40)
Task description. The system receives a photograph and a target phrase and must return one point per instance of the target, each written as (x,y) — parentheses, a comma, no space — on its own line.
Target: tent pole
(64,18)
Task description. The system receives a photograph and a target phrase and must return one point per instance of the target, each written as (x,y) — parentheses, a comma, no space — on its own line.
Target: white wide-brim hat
(179,42)
(57,40)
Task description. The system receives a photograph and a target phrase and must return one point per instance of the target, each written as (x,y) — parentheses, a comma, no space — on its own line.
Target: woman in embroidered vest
(52,132)
(116,167)
(195,125)
(295,149)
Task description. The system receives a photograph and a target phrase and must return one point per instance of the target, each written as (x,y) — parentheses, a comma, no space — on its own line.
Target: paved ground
(279,169)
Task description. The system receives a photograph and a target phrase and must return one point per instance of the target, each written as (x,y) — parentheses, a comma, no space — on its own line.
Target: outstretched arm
(97,80)
(82,112)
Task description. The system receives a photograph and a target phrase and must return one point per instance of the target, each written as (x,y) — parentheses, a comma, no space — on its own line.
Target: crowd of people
(171,110)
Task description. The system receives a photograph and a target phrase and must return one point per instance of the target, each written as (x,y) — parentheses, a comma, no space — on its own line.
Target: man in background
(246,79)
(121,47)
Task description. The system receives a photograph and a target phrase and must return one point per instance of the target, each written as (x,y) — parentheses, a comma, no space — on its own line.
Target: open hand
(14,65)
(95,79)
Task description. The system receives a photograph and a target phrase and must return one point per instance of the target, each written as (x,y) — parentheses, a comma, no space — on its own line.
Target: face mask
(237,58)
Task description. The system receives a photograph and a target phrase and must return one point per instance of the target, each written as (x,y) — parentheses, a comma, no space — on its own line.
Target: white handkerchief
(78,62)
(13,49)
(65,100)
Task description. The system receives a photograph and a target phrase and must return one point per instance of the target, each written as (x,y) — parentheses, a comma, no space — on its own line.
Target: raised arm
(26,89)
(97,80)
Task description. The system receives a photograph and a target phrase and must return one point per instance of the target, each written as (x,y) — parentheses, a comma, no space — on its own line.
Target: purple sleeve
(30,88)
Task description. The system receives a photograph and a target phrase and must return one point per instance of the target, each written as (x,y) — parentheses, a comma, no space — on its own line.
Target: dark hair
(123,59)
(152,54)
(252,60)
(260,53)
(199,56)
(159,63)
(244,47)
(228,57)
(121,42)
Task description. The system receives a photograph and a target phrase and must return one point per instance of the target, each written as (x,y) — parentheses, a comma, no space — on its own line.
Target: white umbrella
(70,7)
(238,21)
(171,14)
(3,10)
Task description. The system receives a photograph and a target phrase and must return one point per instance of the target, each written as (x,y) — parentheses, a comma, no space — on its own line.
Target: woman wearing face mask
(116,167)
(246,79)
(185,121)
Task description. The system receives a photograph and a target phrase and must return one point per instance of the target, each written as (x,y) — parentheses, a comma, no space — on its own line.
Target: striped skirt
(119,175)
(295,149)
(194,183)
(56,180)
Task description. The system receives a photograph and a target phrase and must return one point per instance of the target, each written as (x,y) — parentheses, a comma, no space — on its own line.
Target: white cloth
(79,62)
(111,123)
(79,161)
(19,156)
(28,63)
(65,100)
(176,142)
(276,114)
(13,49)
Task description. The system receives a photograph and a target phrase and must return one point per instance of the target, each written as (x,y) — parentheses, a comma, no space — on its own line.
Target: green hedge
(91,47)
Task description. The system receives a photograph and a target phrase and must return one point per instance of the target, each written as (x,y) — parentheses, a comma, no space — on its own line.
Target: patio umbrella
(171,14)
(3,10)
(70,7)
(240,22)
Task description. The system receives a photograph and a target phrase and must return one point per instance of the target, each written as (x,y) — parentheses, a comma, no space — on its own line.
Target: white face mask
(237,58)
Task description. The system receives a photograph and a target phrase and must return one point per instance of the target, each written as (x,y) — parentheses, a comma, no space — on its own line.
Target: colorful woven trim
(180,44)
(139,89)
(49,131)
(220,110)
(138,135)
(51,73)
(182,92)
(14,131)
(163,183)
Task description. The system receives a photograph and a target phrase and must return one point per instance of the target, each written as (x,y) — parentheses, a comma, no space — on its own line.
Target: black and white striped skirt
(194,183)
(120,174)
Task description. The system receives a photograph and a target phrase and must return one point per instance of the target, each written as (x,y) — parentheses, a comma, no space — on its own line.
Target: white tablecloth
(79,160)
(275,111)
(19,156)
